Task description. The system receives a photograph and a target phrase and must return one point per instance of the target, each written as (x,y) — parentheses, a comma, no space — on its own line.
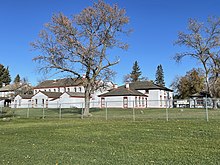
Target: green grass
(97,141)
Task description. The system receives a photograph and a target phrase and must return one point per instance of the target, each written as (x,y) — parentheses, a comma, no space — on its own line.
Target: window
(165,101)
(43,101)
(143,101)
(125,102)
(54,90)
(68,89)
(35,101)
(102,102)
(136,102)
(58,89)
(139,101)
(75,90)
(19,102)
(80,89)
(200,102)
(146,102)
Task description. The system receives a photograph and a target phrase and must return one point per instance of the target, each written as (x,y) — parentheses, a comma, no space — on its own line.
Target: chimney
(127,85)
(115,86)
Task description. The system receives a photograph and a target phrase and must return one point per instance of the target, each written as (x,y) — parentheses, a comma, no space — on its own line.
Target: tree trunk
(214,100)
(87,100)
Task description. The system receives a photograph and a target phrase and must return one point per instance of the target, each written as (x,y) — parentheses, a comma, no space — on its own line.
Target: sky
(155,25)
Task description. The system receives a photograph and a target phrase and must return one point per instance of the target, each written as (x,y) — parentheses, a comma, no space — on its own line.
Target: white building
(44,99)
(60,85)
(64,93)
(22,101)
(138,94)
(72,99)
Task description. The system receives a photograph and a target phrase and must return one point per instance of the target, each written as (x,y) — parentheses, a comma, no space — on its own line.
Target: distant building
(139,94)
(64,93)
(60,85)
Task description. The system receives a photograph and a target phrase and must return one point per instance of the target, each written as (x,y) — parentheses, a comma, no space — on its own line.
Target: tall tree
(160,76)
(79,45)
(4,75)
(136,72)
(203,43)
(191,83)
(17,79)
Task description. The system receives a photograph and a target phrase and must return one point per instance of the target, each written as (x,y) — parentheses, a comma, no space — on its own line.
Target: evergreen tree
(17,79)
(159,76)
(4,75)
(136,72)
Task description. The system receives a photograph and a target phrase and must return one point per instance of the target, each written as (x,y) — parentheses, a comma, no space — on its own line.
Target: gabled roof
(53,95)
(201,94)
(122,92)
(60,83)
(145,85)
(12,87)
(26,96)
(76,94)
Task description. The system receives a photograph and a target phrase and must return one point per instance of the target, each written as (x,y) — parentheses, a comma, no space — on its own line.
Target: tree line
(136,75)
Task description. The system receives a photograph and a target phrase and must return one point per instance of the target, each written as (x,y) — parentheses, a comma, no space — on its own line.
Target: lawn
(97,141)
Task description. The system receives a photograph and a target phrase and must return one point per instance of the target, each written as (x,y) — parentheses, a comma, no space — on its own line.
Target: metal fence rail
(131,110)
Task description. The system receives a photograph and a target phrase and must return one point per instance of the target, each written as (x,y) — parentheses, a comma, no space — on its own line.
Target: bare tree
(79,45)
(203,43)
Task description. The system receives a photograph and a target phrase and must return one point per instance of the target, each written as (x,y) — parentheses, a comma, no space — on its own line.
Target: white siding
(119,102)
(67,102)
(19,102)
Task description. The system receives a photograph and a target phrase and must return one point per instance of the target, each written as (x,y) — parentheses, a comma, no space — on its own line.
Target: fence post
(28,111)
(106,111)
(133,112)
(167,115)
(43,112)
(206,109)
(82,112)
(60,113)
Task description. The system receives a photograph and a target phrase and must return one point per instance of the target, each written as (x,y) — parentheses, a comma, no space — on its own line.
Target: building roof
(59,83)
(201,94)
(145,85)
(26,96)
(76,94)
(53,95)
(122,92)
(132,89)
(10,87)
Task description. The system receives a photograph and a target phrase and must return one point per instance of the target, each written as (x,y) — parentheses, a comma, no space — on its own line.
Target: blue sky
(155,25)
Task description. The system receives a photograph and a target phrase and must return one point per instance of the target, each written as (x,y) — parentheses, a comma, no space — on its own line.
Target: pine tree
(17,79)
(4,75)
(159,76)
(136,73)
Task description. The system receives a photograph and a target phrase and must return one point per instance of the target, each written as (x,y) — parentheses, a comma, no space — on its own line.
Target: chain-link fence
(202,109)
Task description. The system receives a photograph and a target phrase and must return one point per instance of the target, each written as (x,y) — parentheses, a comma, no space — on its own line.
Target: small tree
(136,72)
(160,76)
(79,45)
(17,79)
